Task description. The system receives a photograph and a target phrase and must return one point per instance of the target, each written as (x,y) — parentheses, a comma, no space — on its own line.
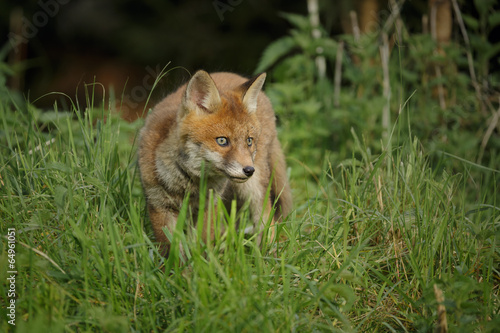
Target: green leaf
(302,39)
(4,68)
(471,22)
(482,6)
(492,51)
(494,20)
(274,52)
(301,22)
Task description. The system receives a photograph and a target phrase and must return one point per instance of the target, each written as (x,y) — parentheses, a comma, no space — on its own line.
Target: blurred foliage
(308,116)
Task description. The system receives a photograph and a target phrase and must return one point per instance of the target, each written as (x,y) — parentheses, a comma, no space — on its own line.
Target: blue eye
(249,141)
(222,141)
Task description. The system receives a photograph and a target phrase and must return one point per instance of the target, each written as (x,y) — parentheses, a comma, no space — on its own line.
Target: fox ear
(252,89)
(201,92)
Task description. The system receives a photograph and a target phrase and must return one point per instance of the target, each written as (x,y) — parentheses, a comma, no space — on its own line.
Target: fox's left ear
(251,92)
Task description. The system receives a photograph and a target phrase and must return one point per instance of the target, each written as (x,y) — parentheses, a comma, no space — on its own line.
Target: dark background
(121,42)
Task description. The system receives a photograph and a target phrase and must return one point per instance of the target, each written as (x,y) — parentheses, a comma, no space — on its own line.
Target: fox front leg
(260,226)
(161,218)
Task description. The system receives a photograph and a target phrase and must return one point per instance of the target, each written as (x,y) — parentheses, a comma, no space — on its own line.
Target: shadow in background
(62,45)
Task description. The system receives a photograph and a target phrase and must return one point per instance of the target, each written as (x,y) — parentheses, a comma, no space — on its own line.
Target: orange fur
(227,123)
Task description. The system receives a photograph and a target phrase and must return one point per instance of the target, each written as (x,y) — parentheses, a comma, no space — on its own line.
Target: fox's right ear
(252,90)
(201,93)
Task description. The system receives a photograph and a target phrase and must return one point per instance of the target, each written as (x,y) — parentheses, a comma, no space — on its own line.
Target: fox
(225,125)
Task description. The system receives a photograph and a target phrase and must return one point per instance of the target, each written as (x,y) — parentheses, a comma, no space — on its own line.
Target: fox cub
(226,123)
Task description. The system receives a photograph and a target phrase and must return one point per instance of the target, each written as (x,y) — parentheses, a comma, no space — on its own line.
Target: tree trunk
(441,20)
(368,15)
(441,25)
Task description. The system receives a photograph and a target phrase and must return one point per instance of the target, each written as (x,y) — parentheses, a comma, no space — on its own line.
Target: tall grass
(362,251)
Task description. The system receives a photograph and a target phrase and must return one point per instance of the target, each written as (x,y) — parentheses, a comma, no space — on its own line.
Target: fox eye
(249,141)
(222,141)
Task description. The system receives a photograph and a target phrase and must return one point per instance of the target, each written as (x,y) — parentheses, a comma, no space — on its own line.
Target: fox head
(220,128)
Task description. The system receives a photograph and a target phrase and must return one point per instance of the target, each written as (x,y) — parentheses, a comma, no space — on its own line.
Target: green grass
(361,252)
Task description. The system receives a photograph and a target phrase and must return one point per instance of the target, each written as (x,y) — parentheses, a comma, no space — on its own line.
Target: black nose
(248,170)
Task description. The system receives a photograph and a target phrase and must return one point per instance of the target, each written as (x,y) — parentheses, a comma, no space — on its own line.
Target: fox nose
(248,170)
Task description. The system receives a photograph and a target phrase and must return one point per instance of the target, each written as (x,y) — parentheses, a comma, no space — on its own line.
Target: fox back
(224,124)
